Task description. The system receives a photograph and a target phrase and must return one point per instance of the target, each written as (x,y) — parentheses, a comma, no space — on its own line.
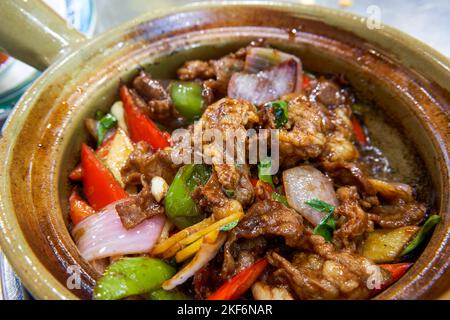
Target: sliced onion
(264,86)
(206,253)
(304,183)
(259,59)
(103,235)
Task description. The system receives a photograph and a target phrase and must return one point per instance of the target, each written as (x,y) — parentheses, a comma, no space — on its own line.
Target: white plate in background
(16,76)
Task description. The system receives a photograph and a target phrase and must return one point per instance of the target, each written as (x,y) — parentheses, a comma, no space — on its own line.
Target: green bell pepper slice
(162,294)
(132,276)
(187,98)
(423,234)
(180,207)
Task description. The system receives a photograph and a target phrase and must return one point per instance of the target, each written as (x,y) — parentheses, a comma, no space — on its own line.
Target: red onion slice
(264,86)
(304,183)
(259,59)
(103,235)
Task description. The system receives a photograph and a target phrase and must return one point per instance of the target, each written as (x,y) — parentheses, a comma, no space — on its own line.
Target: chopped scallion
(104,124)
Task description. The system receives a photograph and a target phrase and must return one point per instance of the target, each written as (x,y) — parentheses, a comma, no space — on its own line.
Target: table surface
(426,20)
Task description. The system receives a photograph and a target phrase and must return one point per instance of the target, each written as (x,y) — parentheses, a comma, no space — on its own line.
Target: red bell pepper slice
(306,82)
(358,131)
(79,209)
(141,128)
(100,186)
(101,153)
(396,271)
(3,57)
(240,283)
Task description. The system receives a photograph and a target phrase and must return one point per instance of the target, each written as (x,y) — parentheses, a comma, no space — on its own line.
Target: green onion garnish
(327,226)
(280,110)
(104,124)
(280,198)
(229,226)
(264,168)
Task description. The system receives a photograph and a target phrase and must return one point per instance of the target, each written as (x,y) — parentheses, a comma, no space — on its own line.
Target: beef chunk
(324,273)
(137,208)
(400,215)
(304,134)
(196,69)
(153,99)
(217,73)
(230,116)
(348,174)
(143,161)
(244,192)
(329,93)
(212,198)
(264,219)
(270,218)
(354,220)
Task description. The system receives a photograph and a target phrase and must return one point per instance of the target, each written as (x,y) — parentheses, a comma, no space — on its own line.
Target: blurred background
(426,20)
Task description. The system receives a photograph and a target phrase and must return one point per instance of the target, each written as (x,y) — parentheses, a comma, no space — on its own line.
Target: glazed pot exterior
(41,141)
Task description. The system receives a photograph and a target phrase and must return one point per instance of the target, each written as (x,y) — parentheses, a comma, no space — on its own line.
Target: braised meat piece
(244,192)
(205,282)
(231,117)
(396,216)
(353,221)
(313,277)
(148,88)
(196,69)
(339,146)
(224,69)
(242,254)
(398,207)
(348,174)
(137,208)
(211,198)
(212,194)
(314,130)
(263,291)
(264,218)
(155,100)
(330,94)
(304,135)
(143,161)
(217,73)
(325,273)
(337,101)
(393,192)
(270,218)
